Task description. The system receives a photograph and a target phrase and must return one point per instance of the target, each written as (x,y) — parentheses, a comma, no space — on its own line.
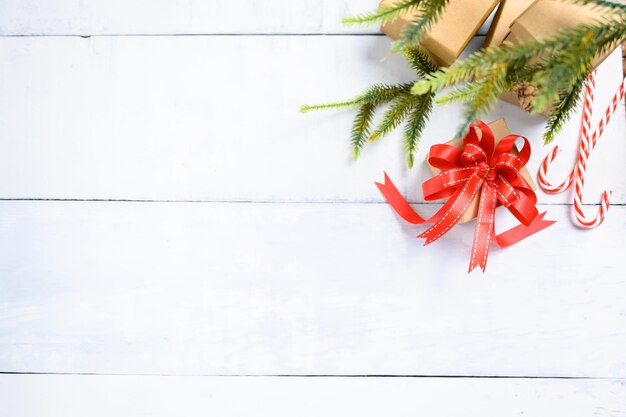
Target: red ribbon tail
(452,210)
(397,202)
(520,232)
(485,224)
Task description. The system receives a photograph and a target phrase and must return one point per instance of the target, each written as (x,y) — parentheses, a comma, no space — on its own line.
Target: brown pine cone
(526,93)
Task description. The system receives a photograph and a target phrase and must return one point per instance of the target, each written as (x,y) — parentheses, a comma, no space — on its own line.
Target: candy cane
(587,144)
(584,138)
(582,166)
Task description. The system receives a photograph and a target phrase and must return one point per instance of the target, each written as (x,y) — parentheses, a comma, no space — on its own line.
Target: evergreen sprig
(429,12)
(615,5)
(376,94)
(361,127)
(419,60)
(415,125)
(557,66)
(425,13)
(385,13)
(562,112)
(394,115)
(402,106)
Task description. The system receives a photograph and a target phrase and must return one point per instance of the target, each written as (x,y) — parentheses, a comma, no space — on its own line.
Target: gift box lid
(508,11)
(451,34)
(544,17)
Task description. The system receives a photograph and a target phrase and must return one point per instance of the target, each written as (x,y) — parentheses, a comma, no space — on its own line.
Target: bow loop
(444,184)
(473,144)
(508,163)
(444,157)
(473,155)
(506,146)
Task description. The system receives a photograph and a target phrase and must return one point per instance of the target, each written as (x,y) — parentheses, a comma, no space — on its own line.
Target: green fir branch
(361,127)
(563,72)
(429,12)
(394,115)
(554,65)
(462,94)
(376,94)
(419,60)
(416,122)
(383,14)
(383,93)
(402,106)
(426,13)
(616,5)
(329,106)
(562,112)
(557,66)
(481,63)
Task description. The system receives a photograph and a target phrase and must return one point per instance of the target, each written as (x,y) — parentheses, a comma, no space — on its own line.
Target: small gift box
(544,17)
(479,171)
(539,21)
(451,34)
(500,130)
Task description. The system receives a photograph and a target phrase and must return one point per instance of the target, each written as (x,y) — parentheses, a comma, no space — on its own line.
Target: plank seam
(434,376)
(252,34)
(104,200)
(113,35)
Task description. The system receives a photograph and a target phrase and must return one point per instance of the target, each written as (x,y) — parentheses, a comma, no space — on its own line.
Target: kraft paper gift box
(451,34)
(507,12)
(539,21)
(544,17)
(500,130)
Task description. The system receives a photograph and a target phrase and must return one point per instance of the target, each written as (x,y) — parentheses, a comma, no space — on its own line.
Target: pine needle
(376,94)
(562,112)
(555,65)
(361,127)
(419,60)
(416,122)
(328,106)
(429,12)
(383,14)
(394,115)
(616,5)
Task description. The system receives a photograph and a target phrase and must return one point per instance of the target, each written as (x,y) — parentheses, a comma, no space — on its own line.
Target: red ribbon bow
(480,167)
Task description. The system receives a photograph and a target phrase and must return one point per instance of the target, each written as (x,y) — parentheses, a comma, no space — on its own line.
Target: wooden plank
(101,17)
(232,288)
(216,118)
(72,395)
(159,17)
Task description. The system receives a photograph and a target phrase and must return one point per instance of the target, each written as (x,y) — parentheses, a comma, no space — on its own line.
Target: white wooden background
(176,239)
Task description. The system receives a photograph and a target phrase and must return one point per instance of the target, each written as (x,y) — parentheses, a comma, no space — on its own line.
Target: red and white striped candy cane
(587,144)
(584,139)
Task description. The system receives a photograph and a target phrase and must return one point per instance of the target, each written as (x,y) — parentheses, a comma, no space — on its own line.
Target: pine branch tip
(349,21)
(410,160)
(374,137)
(420,88)
(397,46)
